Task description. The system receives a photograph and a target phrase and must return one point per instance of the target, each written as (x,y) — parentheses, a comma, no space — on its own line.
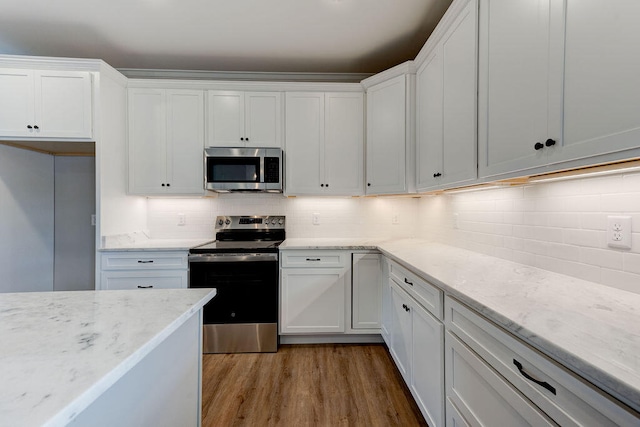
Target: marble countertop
(331,243)
(592,329)
(62,350)
(140,242)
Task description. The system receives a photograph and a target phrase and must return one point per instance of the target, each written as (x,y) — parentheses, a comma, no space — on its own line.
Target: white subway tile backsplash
(601,258)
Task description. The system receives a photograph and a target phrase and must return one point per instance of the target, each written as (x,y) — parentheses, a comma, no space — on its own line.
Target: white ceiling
(339,36)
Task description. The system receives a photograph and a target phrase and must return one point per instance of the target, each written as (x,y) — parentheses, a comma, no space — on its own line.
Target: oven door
(243,316)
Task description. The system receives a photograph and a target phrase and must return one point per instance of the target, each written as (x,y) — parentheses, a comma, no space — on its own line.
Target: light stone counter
(350,244)
(140,242)
(592,329)
(60,351)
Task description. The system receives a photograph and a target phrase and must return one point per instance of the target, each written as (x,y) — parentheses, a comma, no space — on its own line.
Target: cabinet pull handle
(539,146)
(530,378)
(29,127)
(435,175)
(408,282)
(549,142)
(406,308)
(145,287)
(145,262)
(36,127)
(314,259)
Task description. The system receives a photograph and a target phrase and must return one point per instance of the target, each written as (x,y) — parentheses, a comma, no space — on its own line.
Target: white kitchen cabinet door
(312,300)
(602,78)
(429,121)
(344,144)
(166,141)
(17,106)
(401,331)
(305,134)
(45,104)
(225,124)
(520,84)
(482,396)
(185,141)
(244,119)
(63,104)
(147,141)
(387,304)
(427,365)
(263,119)
(387,137)
(367,291)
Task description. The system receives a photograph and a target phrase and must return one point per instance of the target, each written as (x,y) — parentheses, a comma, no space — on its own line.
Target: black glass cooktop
(236,247)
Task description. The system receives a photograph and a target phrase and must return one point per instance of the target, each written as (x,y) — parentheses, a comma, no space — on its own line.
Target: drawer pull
(408,282)
(145,262)
(530,378)
(406,308)
(145,287)
(314,259)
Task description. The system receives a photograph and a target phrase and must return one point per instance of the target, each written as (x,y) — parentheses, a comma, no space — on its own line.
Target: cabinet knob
(162,184)
(241,139)
(549,142)
(321,185)
(538,146)
(36,127)
(368,184)
(326,185)
(246,139)
(168,185)
(29,127)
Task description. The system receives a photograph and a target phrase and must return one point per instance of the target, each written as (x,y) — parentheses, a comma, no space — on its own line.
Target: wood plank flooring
(307,385)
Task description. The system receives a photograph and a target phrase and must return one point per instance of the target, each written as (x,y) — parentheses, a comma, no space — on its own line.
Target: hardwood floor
(307,385)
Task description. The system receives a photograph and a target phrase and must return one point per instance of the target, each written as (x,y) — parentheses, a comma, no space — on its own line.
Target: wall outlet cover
(619,232)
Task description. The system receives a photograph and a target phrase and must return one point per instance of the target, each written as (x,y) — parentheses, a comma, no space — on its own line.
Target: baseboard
(331,339)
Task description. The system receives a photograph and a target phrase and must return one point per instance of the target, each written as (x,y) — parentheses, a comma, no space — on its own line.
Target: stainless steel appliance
(242,264)
(230,169)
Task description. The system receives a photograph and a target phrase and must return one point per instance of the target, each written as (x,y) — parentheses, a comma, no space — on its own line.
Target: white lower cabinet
(330,292)
(416,347)
(494,379)
(143,270)
(312,300)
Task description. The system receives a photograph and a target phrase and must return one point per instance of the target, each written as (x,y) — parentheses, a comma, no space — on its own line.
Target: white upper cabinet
(520,83)
(244,119)
(166,141)
(45,104)
(446,102)
(389,136)
(602,77)
(559,83)
(324,143)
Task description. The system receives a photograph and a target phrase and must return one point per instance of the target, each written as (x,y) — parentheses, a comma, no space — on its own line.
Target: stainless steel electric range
(242,264)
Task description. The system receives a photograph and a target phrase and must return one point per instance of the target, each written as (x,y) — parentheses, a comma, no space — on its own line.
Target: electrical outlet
(182,219)
(619,232)
(315,218)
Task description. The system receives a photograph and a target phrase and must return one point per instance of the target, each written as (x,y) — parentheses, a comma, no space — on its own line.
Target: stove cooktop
(237,246)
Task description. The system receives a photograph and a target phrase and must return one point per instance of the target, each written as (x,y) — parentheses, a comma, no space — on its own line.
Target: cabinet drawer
(144,260)
(315,259)
(426,294)
(567,398)
(164,279)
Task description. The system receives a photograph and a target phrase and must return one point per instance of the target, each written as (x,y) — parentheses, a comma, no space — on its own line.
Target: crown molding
(405,68)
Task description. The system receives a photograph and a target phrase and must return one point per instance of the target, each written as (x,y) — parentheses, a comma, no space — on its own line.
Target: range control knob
(227,221)
(281,221)
(273,221)
(220,221)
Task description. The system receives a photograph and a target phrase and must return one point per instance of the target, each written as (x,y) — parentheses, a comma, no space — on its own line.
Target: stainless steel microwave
(230,169)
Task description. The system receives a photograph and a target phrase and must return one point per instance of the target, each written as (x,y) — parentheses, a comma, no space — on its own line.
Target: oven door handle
(233,257)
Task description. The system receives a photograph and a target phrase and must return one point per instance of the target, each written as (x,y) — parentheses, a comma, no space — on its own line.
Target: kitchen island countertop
(62,350)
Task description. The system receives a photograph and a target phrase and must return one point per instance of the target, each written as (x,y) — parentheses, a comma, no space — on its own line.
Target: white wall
(118,213)
(26,220)
(339,217)
(75,197)
(557,226)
